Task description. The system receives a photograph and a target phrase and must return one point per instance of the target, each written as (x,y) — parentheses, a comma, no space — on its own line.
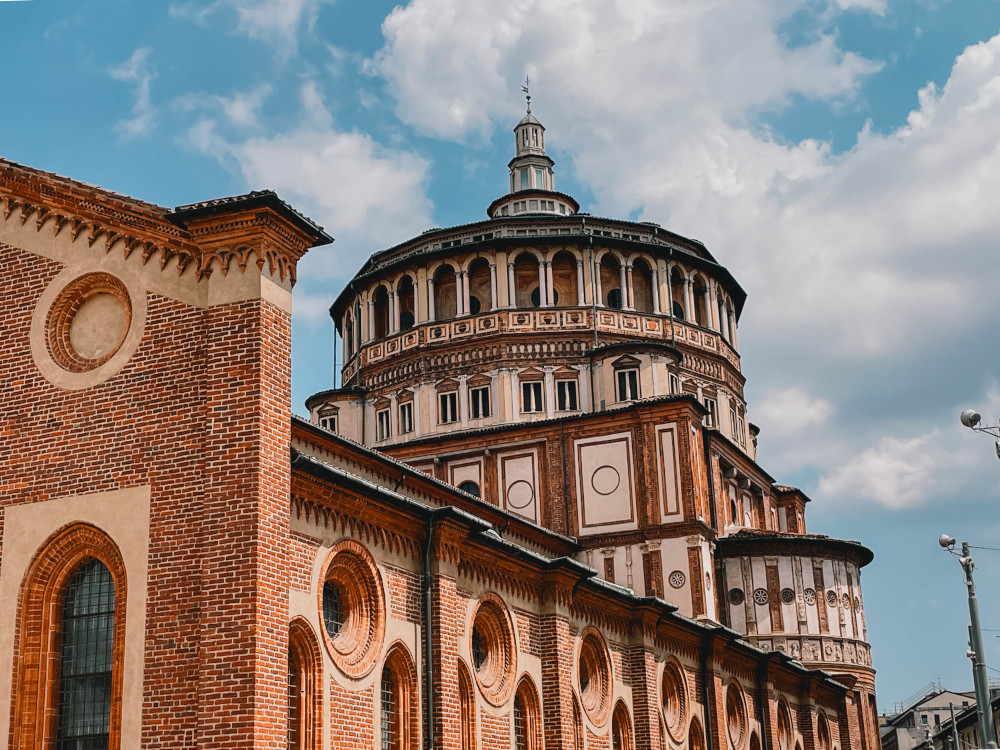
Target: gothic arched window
(68,674)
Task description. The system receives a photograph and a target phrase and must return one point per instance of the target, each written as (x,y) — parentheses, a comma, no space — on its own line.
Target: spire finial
(527,94)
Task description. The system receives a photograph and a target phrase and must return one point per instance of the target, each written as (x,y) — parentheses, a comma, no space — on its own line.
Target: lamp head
(947,542)
(970,417)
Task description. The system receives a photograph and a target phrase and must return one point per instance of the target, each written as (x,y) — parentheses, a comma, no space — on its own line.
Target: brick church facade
(529,517)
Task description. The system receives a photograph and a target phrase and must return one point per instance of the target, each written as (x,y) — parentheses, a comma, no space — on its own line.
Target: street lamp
(971,418)
(976,651)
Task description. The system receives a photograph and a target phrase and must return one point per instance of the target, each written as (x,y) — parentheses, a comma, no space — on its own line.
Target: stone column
(459,295)
(493,286)
(551,297)
(511,289)
(393,313)
(466,302)
(655,284)
(623,283)
(463,399)
(580,296)
(431,312)
(628,300)
(550,394)
(542,296)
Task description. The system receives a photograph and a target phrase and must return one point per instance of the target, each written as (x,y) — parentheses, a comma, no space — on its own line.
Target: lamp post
(976,652)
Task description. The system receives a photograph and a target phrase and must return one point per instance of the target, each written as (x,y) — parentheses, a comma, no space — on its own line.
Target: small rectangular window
(531,396)
(448,407)
(382,417)
(539,179)
(712,418)
(628,384)
(533,205)
(566,395)
(503,211)
(406,418)
(525,179)
(480,398)
(329,423)
(675,385)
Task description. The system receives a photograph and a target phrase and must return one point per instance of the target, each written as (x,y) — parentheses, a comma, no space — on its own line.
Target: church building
(529,517)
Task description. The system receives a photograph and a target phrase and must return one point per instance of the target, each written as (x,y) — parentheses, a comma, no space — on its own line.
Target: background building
(561,541)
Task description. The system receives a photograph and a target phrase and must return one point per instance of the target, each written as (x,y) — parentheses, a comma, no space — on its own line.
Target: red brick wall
(201,414)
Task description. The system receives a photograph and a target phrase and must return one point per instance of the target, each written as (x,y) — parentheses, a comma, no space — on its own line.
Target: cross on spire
(527,93)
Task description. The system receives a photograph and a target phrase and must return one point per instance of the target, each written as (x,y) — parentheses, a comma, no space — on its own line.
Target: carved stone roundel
(760,596)
(831,598)
(736,596)
(677,579)
(605,480)
(810,596)
(787,596)
(520,494)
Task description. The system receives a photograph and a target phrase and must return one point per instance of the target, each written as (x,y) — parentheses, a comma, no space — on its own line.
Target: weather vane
(527,94)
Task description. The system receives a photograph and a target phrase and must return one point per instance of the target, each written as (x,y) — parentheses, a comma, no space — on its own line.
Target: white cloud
(895,472)
(275,22)
(136,72)
(856,263)
(790,412)
(241,109)
(366,195)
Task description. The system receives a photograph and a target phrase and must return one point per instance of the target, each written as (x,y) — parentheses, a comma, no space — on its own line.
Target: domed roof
(529,119)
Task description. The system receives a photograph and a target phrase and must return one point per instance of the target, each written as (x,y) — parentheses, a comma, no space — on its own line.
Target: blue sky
(840,156)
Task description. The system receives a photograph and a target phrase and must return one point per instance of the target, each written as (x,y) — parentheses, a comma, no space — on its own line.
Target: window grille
(383,424)
(295,688)
(520,724)
(85,670)
(333,611)
(390,711)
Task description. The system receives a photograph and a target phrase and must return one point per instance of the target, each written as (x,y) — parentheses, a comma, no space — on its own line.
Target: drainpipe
(593,316)
(428,650)
(765,717)
(710,475)
(704,690)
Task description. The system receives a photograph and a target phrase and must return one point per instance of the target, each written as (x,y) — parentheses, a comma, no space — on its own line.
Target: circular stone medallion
(605,480)
(520,494)
(88,322)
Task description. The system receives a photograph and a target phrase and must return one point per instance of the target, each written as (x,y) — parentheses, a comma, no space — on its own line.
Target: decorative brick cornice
(213,235)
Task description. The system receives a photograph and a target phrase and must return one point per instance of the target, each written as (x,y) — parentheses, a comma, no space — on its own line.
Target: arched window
(565,292)
(445,301)
(467,708)
(70,644)
(642,286)
(677,301)
(348,337)
(304,662)
(527,292)
(88,621)
(611,286)
(621,728)
(397,716)
(406,299)
(480,286)
(380,300)
(527,726)
(696,735)
(577,725)
(700,294)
